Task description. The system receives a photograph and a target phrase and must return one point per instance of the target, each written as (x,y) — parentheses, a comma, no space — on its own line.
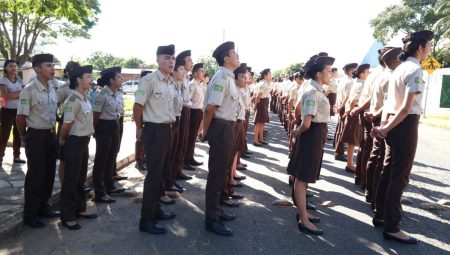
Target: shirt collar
(413,59)
(79,95)
(109,91)
(161,76)
(40,86)
(226,71)
(316,85)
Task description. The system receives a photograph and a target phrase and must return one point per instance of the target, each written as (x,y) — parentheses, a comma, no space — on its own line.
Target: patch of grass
(440,121)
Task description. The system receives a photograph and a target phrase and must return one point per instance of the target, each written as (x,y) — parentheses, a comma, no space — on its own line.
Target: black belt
(151,124)
(40,130)
(239,121)
(221,121)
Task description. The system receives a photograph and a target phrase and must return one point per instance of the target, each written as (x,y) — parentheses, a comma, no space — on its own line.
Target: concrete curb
(14,221)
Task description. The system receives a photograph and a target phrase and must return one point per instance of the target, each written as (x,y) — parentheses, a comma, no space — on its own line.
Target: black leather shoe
(188,167)
(166,215)
(71,227)
(104,201)
(237,185)
(87,189)
(218,228)
(377,222)
(310,206)
(245,156)
(357,181)
(236,196)
(223,216)
(249,153)
(49,214)
(196,163)
(119,178)
(409,240)
(182,176)
(309,194)
(348,170)
(258,144)
(241,168)
(340,157)
(171,202)
(232,204)
(115,191)
(140,166)
(175,189)
(238,178)
(34,222)
(19,161)
(312,219)
(151,227)
(303,228)
(88,216)
(264,143)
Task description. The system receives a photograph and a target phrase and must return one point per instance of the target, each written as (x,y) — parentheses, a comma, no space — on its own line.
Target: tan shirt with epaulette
(108,104)
(315,103)
(63,92)
(38,104)
(78,111)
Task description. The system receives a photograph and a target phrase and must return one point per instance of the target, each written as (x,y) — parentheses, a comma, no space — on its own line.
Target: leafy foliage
(290,69)
(23,22)
(210,64)
(101,60)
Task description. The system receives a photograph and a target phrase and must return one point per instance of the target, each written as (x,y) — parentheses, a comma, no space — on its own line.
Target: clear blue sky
(267,33)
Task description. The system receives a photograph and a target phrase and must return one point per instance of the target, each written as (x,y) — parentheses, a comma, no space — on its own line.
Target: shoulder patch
(310,103)
(218,88)
(418,80)
(25,101)
(140,92)
(98,103)
(72,98)
(68,109)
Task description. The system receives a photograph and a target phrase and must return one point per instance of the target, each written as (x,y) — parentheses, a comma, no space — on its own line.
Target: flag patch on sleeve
(310,103)
(218,88)
(25,101)
(140,92)
(68,109)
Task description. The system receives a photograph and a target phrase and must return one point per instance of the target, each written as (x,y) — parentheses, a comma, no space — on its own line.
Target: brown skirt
(262,111)
(351,132)
(238,138)
(306,161)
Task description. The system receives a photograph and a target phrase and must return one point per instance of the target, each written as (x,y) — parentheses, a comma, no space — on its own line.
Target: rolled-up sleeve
(144,89)
(309,104)
(217,92)
(415,83)
(24,102)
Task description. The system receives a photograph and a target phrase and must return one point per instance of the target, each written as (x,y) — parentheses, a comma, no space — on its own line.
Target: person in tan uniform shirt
(399,126)
(36,119)
(75,135)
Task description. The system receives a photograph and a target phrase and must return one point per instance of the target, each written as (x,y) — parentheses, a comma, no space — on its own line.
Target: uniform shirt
(63,92)
(406,79)
(38,104)
(293,93)
(241,105)
(12,87)
(380,89)
(196,94)
(185,90)
(343,89)
(77,110)
(315,103)
(121,109)
(355,93)
(246,98)
(264,88)
(177,100)
(301,91)
(222,92)
(332,87)
(108,104)
(366,93)
(156,95)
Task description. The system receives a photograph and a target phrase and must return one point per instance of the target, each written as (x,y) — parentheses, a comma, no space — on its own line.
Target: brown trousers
(375,164)
(183,137)
(237,147)
(73,198)
(337,143)
(107,142)
(8,121)
(169,177)
(196,116)
(364,149)
(40,148)
(332,99)
(157,140)
(401,144)
(220,138)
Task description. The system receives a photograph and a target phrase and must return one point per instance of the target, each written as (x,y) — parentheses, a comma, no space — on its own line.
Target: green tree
(290,69)
(209,63)
(442,9)
(133,62)
(101,60)
(23,22)
(411,15)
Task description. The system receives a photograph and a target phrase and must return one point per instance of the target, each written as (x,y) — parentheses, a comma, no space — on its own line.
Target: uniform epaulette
(72,98)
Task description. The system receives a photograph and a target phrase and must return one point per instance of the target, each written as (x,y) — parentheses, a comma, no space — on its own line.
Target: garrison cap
(241,69)
(166,50)
(41,58)
(183,54)
(223,49)
(197,66)
(79,71)
(350,66)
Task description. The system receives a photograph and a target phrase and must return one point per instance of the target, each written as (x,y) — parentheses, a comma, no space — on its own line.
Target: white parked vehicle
(130,87)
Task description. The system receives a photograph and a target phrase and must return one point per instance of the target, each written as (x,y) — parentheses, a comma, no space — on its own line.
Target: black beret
(166,50)
(350,66)
(197,66)
(360,69)
(391,53)
(183,54)
(41,58)
(315,62)
(79,71)
(384,49)
(116,69)
(322,54)
(179,62)
(71,65)
(420,35)
(241,69)
(264,72)
(249,69)
(144,73)
(223,48)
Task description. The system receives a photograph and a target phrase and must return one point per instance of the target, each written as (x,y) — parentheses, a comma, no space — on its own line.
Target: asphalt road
(260,227)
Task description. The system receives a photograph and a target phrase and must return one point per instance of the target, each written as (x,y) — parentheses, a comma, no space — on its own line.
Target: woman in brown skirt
(262,110)
(352,129)
(399,126)
(311,136)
